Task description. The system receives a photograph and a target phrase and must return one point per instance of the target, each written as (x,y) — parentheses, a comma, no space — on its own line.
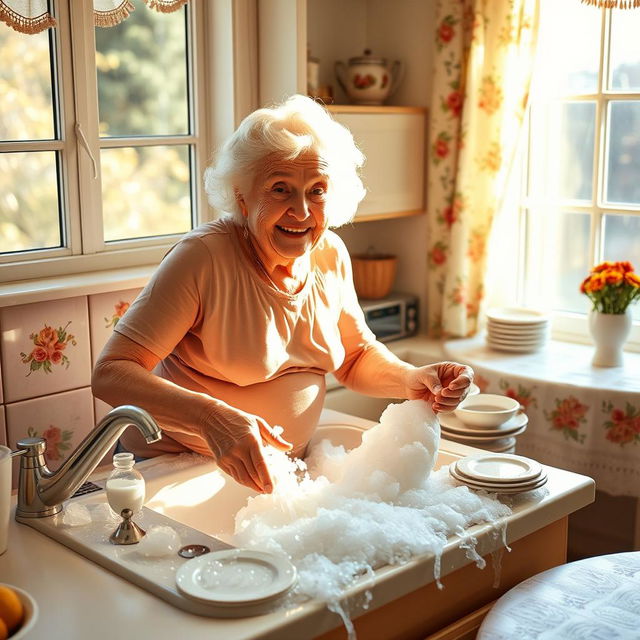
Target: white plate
(236,577)
(503,445)
(513,348)
(499,467)
(517,330)
(453,424)
(458,437)
(500,488)
(498,485)
(496,335)
(517,315)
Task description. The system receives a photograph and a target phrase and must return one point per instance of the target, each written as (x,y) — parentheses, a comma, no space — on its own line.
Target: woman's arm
(123,375)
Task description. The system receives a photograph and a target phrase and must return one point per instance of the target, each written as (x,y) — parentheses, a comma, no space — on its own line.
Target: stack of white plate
(500,439)
(517,329)
(499,473)
(237,582)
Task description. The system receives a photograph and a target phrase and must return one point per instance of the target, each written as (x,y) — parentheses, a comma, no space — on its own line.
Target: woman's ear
(241,203)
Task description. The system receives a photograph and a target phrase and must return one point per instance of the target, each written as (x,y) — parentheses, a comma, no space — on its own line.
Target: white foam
(75,515)
(347,513)
(159,541)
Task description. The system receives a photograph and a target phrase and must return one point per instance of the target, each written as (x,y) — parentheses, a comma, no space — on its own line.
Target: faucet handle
(30,446)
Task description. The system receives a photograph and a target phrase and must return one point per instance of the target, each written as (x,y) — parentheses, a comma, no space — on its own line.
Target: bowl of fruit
(18,612)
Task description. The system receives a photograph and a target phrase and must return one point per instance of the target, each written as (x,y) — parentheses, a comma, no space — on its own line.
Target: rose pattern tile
(45,348)
(62,419)
(105,310)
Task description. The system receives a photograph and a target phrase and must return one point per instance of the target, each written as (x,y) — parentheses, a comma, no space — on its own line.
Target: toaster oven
(393,317)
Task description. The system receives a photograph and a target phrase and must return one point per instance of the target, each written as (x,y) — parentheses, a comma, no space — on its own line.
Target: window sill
(70,286)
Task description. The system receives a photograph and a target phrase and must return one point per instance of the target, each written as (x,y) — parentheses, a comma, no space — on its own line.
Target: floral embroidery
(457,294)
(492,160)
(452,102)
(522,395)
(57,441)
(445,32)
(477,245)
(49,346)
(473,305)
(441,147)
(438,254)
(491,95)
(624,426)
(118,311)
(567,417)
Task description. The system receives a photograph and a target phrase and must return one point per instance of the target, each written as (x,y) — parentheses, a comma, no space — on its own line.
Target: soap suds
(348,513)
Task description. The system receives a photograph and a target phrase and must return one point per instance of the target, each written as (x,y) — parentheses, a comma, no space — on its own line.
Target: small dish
(499,467)
(30,612)
(487,410)
(503,488)
(449,422)
(517,316)
(236,577)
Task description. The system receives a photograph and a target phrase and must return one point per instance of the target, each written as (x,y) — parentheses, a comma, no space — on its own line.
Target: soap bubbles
(159,541)
(345,513)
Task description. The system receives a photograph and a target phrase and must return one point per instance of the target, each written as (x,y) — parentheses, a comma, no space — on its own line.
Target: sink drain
(193,550)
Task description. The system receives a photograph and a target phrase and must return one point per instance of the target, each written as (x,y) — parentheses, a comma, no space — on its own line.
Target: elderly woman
(234,334)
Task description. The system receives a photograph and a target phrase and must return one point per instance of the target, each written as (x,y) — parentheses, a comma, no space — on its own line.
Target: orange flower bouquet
(612,287)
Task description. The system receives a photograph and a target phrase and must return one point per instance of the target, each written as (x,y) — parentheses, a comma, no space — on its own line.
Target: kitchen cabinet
(392,140)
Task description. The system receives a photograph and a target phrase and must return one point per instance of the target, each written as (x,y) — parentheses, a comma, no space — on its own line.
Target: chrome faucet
(41,492)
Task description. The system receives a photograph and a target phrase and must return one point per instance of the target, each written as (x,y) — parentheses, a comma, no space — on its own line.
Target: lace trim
(168,6)
(613,4)
(112,17)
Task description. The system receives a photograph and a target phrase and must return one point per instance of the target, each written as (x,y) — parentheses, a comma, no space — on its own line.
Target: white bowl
(486,410)
(30,612)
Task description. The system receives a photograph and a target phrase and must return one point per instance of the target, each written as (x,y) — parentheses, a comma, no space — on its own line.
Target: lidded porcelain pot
(368,79)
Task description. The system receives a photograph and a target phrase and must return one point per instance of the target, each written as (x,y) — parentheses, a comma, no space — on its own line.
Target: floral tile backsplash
(105,310)
(45,348)
(62,419)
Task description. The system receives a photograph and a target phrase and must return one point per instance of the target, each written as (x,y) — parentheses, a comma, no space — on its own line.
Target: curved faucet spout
(41,491)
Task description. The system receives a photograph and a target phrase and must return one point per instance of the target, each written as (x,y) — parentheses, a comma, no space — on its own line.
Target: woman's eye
(279,187)
(318,191)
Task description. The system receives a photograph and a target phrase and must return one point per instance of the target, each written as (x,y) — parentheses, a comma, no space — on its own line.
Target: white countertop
(80,600)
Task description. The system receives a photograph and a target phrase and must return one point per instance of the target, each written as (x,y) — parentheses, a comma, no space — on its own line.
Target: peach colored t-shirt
(219,328)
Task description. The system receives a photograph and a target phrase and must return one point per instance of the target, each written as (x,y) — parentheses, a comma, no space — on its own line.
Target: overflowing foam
(343,514)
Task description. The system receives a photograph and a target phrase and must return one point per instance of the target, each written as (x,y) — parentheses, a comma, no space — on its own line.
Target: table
(581,418)
(596,598)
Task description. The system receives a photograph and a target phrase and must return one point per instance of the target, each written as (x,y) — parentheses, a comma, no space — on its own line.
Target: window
(102,140)
(582,188)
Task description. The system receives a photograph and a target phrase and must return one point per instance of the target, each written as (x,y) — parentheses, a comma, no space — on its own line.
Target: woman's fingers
(273,438)
(261,470)
(239,473)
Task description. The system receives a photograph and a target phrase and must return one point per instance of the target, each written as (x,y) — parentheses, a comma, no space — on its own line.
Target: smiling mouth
(293,231)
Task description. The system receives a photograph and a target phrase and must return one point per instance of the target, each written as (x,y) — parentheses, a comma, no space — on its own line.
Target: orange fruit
(11,609)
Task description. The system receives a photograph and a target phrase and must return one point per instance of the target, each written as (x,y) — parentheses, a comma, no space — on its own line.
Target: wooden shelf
(369,217)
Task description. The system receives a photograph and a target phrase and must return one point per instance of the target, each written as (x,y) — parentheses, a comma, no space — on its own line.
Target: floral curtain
(32,16)
(482,69)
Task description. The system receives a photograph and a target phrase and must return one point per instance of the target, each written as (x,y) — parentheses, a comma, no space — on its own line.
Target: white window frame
(84,249)
(567,325)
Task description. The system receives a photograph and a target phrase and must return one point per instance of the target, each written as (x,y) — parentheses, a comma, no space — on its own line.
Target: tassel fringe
(113,17)
(24,24)
(169,6)
(613,4)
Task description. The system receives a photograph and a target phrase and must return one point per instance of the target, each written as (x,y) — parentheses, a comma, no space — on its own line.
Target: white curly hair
(297,126)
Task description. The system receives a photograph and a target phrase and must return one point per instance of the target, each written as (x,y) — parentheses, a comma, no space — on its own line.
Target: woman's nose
(299,208)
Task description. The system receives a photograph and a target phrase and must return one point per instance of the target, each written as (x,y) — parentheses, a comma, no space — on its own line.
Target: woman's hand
(443,384)
(235,438)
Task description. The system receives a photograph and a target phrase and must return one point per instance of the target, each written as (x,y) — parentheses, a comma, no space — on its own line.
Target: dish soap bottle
(125,485)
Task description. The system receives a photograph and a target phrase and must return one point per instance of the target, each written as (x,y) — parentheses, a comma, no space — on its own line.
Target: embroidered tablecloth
(596,598)
(581,418)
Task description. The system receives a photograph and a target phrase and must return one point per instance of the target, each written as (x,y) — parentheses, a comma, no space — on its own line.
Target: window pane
(26,107)
(622,242)
(562,150)
(576,141)
(142,74)
(623,168)
(145,191)
(29,214)
(567,247)
(563,68)
(625,55)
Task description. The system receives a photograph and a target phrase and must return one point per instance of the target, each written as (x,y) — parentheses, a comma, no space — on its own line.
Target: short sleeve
(171,303)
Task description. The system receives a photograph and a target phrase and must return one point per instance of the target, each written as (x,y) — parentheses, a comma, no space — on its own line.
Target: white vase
(609,332)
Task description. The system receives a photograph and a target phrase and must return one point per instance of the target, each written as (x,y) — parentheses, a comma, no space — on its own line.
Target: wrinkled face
(285,207)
